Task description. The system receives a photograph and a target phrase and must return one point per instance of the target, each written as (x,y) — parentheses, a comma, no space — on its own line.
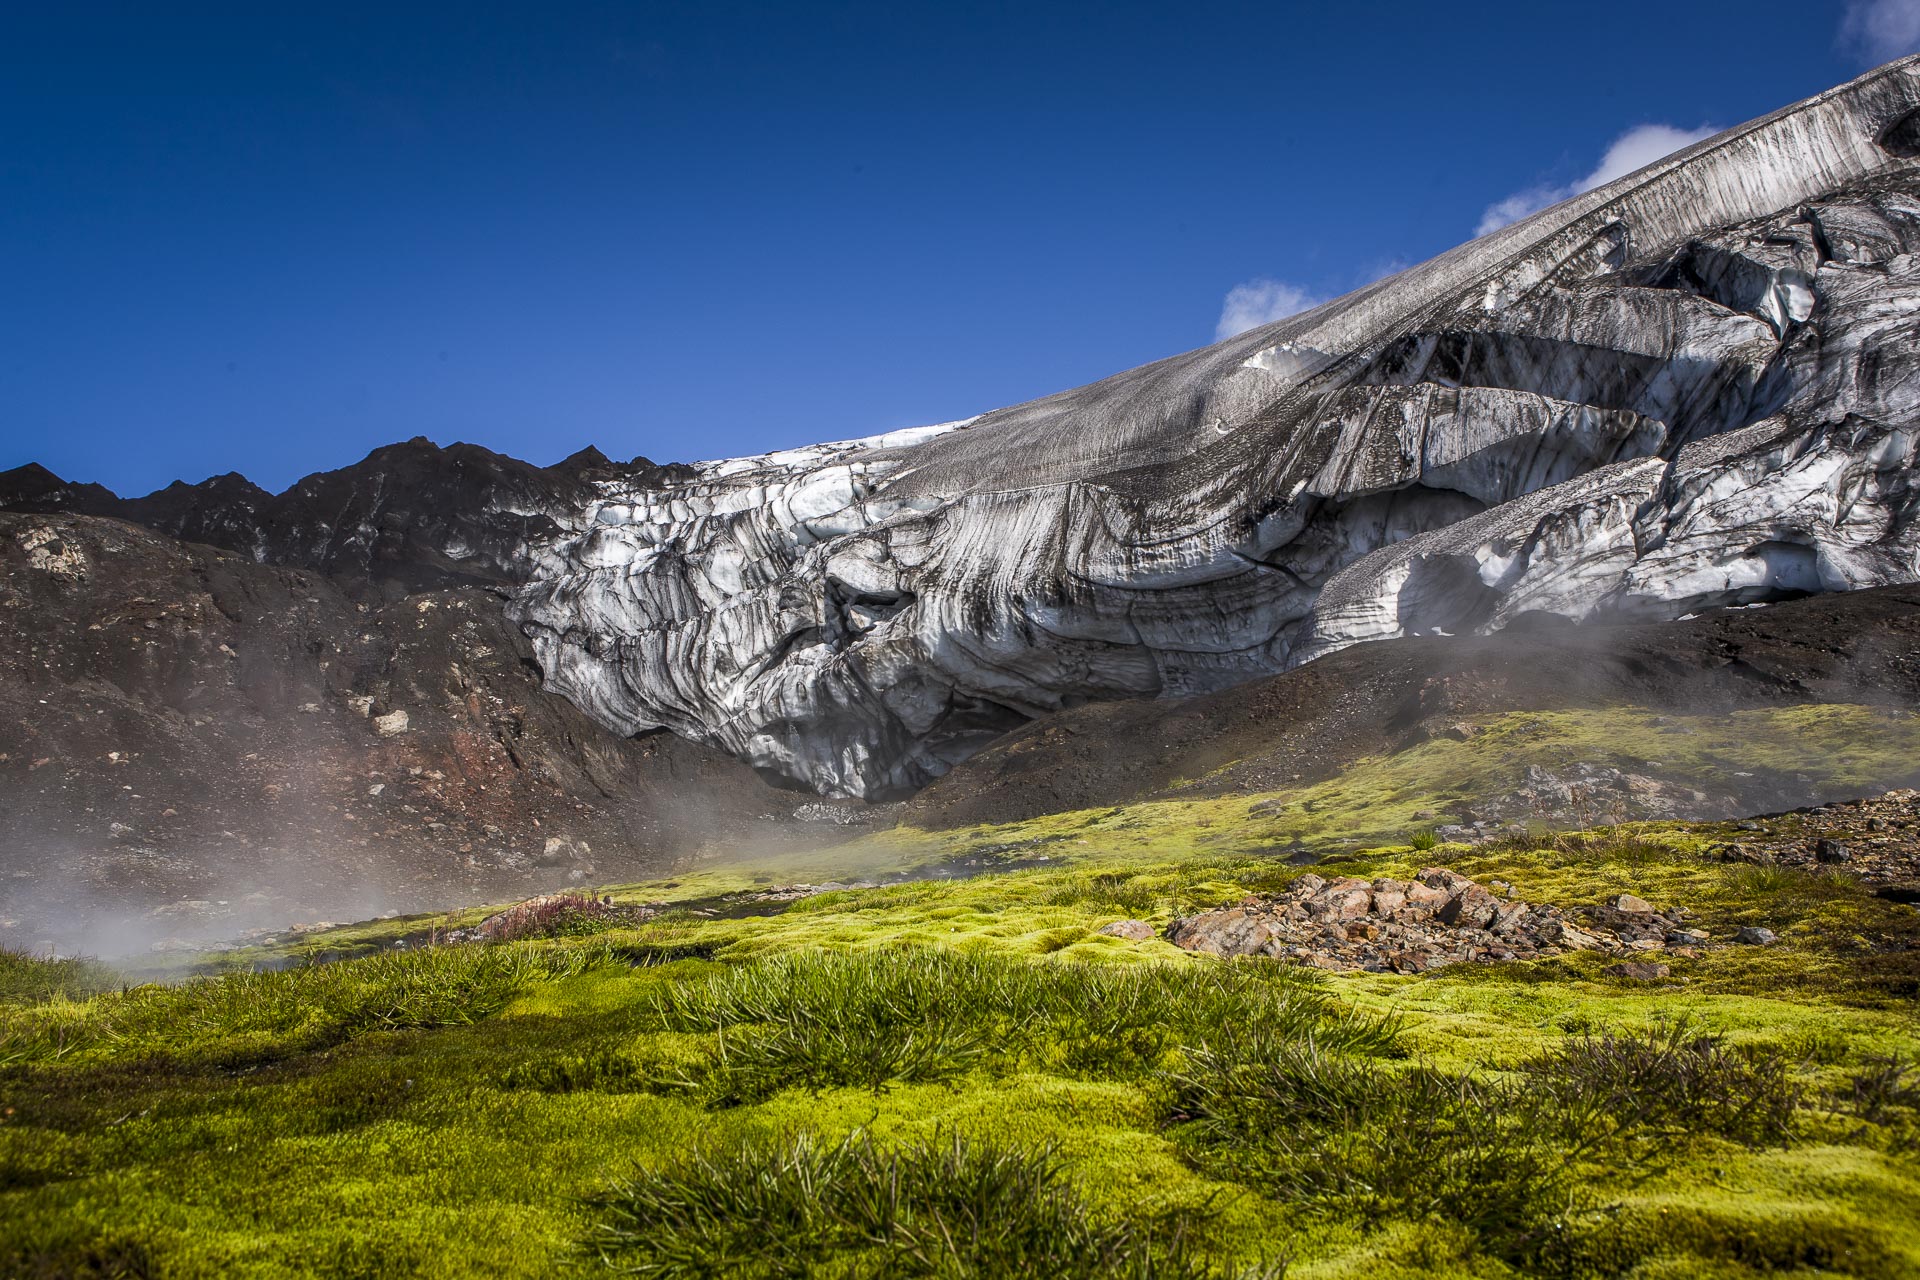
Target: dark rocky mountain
(34,488)
(410,515)
(192,743)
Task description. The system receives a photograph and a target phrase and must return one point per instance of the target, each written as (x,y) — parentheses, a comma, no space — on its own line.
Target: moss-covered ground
(962,1076)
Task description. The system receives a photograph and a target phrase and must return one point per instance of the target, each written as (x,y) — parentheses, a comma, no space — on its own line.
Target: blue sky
(248,238)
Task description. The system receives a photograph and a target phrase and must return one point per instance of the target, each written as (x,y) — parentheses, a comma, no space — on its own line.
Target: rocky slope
(1312,723)
(192,743)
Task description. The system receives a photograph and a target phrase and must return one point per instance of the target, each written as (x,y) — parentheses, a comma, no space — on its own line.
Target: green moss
(26,979)
(469,1110)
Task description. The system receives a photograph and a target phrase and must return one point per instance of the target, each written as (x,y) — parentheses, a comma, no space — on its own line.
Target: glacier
(1694,386)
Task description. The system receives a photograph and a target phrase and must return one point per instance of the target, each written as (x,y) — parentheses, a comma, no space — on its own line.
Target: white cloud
(1258,302)
(1638,148)
(1877,31)
(1635,149)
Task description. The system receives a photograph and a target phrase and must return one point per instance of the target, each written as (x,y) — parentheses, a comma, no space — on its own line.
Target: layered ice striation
(1694,386)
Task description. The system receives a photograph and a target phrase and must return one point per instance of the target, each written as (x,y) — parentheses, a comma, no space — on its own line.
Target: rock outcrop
(1693,386)
(1438,918)
(192,743)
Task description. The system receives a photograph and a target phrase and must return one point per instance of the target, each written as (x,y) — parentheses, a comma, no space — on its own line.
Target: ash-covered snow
(1694,386)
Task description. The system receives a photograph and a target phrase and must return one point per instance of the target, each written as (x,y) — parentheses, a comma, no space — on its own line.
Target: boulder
(1561,934)
(1511,915)
(1235,931)
(1444,878)
(562,851)
(1344,899)
(1423,900)
(1388,896)
(1638,970)
(1473,908)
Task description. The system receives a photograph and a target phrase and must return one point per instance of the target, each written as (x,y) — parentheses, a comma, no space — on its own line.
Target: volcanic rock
(1438,918)
(1638,970)
(153,754)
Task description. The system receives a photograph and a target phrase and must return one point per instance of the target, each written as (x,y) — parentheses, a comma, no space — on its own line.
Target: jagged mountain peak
(34,487)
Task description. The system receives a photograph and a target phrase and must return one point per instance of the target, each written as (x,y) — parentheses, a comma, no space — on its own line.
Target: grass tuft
(1671,1079)
(27,979)
(554,915)
(820,1020)
(248,1018)
(1365,1140)
(945,1207)
(1887,1087)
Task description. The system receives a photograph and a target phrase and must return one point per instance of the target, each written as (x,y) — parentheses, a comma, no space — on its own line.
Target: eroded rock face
(1694,386)
(192,744)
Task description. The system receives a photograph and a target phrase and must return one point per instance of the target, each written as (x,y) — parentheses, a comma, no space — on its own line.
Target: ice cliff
(1694,386)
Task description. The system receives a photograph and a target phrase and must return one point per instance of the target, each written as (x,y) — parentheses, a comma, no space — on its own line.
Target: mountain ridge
(1692,387)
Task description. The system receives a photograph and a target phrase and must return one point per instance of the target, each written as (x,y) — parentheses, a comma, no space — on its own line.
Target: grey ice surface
(1694,386)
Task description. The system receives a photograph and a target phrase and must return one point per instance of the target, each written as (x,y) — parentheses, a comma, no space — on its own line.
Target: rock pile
(1438,918)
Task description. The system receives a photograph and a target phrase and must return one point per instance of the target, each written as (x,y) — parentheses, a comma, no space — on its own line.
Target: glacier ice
(1693,386)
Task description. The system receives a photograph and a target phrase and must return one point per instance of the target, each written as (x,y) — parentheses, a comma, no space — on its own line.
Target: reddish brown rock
(1236,931)
(1473,907)
(1638,970)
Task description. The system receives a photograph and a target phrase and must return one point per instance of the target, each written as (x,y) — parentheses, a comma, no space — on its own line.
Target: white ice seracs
(1694,386)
